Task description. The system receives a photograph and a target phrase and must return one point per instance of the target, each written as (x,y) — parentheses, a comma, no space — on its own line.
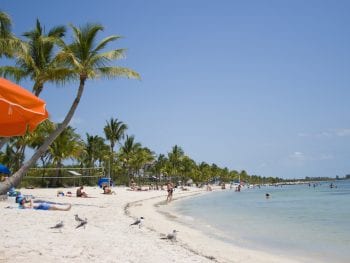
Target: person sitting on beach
(107,190)
(133,185)
(41,206)
(81,192)
(170,190)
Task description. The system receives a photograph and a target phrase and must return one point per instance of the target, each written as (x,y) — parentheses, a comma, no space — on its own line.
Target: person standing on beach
(170,189)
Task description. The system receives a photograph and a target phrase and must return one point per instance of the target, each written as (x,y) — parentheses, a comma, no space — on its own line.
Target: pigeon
(82,223)
(58,226)
(171,236)
(138,222)
(78,219)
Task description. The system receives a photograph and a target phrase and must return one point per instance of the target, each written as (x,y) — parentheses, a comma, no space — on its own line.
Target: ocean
(296,220)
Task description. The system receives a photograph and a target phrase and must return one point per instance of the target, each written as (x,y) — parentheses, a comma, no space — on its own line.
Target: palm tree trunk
(16,178)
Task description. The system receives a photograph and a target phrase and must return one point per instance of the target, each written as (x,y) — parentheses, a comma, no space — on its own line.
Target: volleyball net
(67,177)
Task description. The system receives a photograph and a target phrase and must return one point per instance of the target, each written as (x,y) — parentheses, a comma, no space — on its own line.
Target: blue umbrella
(4,169)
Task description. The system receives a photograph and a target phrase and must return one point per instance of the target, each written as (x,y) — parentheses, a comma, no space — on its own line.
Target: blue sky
(256,85)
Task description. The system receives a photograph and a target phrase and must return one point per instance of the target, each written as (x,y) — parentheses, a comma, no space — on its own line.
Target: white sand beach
(108,236)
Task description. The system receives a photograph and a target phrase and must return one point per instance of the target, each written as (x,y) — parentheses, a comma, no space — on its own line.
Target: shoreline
(108,235)
(163,220)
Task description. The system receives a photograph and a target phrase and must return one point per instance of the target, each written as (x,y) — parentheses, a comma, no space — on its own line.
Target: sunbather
(41,206)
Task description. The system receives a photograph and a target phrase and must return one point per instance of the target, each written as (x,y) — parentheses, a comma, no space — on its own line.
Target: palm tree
(37,138)
(36,60)
(95,149)
(15,149)
(127,152)
(205,172)
(175,157)
(141,159)
(159,167)
(86,61)
(67,145)
(188,167)
(114,132)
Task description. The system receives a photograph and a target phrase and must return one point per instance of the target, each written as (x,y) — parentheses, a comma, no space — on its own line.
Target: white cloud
(326,157)
(298,156)
(301,157)
(342,132)
(326,134)
(262,165)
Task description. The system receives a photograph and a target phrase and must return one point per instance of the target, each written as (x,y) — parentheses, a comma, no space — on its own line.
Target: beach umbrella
(20,110)
(4,169)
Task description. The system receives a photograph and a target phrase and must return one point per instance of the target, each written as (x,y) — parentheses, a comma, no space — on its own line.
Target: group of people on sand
(25,203)
(169,187)
(81,192)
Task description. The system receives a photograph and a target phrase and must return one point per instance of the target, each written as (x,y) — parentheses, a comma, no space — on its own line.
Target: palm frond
(66,57)
(110,72)
(5,25)
(89,32)
(104,42)
(13,73)
(113,54)
(103,59)
(57,32)
(25,60)
(59,75)
(35,33)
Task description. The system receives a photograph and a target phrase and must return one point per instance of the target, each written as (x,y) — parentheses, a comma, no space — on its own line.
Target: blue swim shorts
(43,206)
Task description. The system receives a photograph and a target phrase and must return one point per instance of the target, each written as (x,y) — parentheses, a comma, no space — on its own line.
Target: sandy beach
(108,236)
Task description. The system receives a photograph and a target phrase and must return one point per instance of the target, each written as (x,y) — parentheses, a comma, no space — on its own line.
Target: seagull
(171,236)
(78,219)
(58,226)
(82,223)
(138,222)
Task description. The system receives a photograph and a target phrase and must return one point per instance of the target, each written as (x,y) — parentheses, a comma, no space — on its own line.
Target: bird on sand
(58,226)
(171,236)
(138,222)
(82,223)
(78,219)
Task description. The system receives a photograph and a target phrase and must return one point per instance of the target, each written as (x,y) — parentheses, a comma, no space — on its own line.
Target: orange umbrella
(20,110)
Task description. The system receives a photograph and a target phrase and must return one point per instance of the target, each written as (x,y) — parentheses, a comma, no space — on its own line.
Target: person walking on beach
(170,189)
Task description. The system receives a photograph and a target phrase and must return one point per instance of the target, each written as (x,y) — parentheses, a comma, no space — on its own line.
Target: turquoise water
(297,220)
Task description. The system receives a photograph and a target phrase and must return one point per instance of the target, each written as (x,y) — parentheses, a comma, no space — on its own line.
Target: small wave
(188,218)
